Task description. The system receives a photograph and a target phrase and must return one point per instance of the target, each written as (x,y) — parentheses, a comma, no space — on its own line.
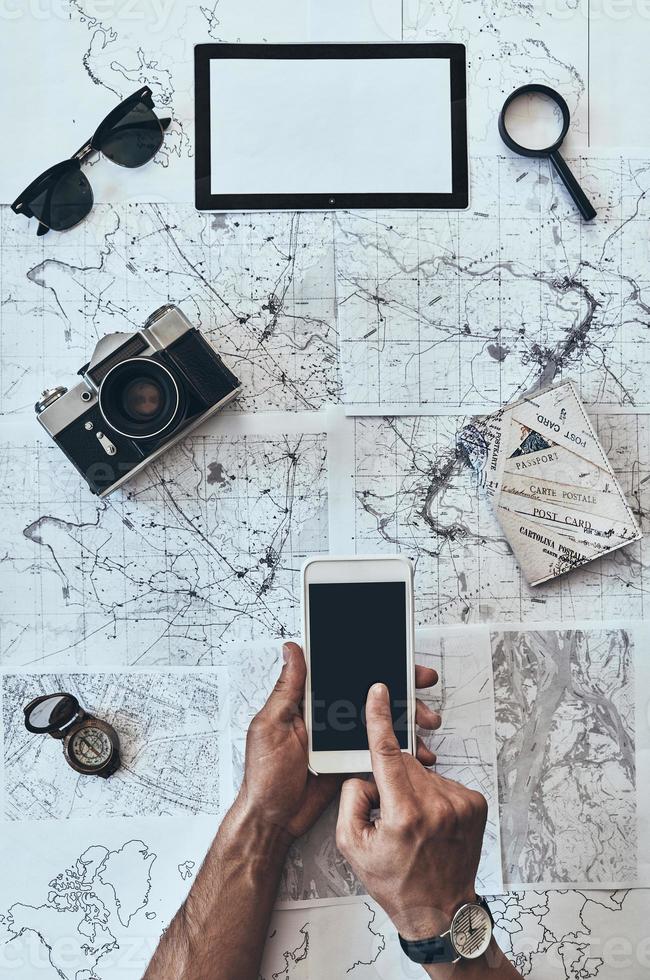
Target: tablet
(298,126)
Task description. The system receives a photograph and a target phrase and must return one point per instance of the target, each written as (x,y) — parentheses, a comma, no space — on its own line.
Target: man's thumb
(289,688)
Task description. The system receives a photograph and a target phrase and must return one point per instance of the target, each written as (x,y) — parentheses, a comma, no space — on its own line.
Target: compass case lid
(52,714)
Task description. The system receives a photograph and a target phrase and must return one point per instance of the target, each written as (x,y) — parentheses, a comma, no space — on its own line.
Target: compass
(90,746)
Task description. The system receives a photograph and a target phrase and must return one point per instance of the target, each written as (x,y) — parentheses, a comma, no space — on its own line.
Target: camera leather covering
(202,367)
(83,448)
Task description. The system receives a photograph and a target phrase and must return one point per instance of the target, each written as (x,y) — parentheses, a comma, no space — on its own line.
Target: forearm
(494,965)
(220,931)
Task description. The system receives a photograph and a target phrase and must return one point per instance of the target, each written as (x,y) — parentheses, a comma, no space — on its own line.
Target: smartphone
(357,630)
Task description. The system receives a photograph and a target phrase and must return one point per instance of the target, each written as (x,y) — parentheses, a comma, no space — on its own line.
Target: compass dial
(471,931)
(91,747)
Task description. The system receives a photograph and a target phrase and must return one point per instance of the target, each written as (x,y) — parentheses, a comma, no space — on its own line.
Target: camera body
(139,394)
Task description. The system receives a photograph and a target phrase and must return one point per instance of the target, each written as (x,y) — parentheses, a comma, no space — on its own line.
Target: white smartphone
(357,630)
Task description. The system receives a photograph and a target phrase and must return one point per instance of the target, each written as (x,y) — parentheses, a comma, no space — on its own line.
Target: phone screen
(357,636)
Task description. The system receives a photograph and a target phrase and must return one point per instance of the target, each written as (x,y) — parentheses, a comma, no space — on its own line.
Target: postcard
(553,488)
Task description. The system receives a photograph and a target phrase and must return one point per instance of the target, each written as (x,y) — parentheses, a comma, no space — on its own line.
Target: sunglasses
(130,136)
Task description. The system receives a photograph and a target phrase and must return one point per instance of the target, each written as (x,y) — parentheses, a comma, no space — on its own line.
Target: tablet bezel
(205,200)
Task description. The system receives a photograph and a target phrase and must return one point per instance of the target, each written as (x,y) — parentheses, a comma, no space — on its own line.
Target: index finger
(387,760)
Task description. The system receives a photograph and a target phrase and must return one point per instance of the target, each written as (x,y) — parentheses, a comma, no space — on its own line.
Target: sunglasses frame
(21,204)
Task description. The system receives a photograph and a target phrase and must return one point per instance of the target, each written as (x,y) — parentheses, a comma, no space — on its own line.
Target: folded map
(554,490)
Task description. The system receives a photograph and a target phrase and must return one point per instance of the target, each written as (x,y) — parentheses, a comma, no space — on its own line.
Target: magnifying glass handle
(581,200)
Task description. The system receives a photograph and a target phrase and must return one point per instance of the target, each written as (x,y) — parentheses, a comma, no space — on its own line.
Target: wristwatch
(467,938)
(90,746)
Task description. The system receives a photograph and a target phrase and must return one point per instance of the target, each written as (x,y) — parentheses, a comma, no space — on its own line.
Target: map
(430,312)
(549,935)
(253,669)
(96,895)
(565,713)
(466,747)
(183,566)
(173,727)
(260,286)
(414,494)
(73,914)
(441,312)
(203,547)
(196,562)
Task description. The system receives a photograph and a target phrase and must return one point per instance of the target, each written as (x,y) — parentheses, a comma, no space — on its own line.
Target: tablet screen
(330,126)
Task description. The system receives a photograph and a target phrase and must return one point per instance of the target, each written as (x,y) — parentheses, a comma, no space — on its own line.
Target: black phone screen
(357,636)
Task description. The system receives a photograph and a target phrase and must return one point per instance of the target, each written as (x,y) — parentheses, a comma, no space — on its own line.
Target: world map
(108,899)
(104,890)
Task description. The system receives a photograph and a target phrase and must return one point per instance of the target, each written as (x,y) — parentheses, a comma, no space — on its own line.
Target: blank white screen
(330,126)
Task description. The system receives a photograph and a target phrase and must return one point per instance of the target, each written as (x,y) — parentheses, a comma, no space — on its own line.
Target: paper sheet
(149,865)
(175,745)
(207,543)
(466,744)
(461,314)
(574,754)
(94,896)
(408,491)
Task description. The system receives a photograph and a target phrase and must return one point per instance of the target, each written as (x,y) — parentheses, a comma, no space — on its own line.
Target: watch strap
(480,900)
(438,949)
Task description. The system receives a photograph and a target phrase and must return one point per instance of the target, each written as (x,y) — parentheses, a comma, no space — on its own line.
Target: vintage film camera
(141,392)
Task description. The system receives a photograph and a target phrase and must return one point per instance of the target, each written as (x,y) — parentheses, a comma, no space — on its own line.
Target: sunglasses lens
(64,201)
(134,139)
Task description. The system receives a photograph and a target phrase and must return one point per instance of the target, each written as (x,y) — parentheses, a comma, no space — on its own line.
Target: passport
(554,491)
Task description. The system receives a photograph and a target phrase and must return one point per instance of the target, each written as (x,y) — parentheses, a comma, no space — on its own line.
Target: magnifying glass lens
(534,121)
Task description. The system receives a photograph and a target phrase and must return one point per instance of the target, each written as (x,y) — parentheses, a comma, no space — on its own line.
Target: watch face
(90,747)
(471,931)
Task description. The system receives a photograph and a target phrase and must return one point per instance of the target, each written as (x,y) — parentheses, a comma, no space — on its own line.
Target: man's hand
(277,783)
(278,786)
(419,860)
(220,930)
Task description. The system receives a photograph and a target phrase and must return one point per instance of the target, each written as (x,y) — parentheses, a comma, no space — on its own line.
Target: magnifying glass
(533,122)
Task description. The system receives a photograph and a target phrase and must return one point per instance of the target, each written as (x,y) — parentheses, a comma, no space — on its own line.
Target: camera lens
(141,399)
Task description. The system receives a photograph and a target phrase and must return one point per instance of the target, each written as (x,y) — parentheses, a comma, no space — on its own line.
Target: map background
(204,547)
(175,750)
(67,304)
